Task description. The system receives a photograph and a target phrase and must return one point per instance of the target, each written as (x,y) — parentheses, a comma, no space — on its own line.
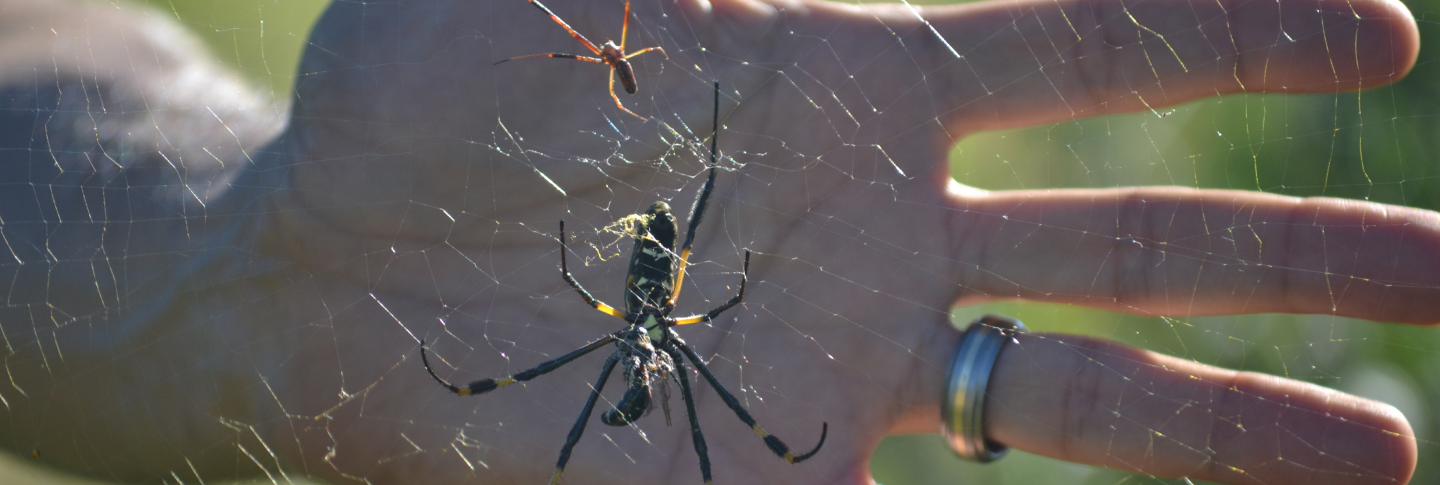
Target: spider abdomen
(651,279)
(615,57)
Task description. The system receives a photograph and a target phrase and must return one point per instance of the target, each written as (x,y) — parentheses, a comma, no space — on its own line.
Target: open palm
(416,191)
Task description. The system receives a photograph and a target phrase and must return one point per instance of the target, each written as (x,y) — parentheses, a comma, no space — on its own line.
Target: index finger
(1090,57)
(996,65)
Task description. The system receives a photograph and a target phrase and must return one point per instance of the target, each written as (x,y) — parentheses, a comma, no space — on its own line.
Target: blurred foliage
(262,39)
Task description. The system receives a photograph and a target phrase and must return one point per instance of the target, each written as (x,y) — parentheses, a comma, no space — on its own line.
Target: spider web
(1377,145)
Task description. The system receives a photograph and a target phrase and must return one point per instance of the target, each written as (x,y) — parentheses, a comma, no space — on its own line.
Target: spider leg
(617,98)
(642,51)
(486,385)
(565,270)
(579,427)
(739,297)
(592,60)
(698,209)
(573,33)
(625,26)
(776,446)
(695,433)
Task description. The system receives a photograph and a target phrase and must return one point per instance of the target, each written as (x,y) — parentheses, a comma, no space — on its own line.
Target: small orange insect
(610,54)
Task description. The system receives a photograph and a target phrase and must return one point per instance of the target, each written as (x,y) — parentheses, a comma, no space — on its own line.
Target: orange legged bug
(610,54)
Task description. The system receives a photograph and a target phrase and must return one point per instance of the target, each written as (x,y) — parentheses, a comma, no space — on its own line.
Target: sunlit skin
(408,202)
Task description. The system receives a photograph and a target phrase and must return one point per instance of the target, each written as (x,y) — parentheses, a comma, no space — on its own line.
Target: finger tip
(1343,439)
(1381,45)
(1377,446)
(1397,439)
(1399,36)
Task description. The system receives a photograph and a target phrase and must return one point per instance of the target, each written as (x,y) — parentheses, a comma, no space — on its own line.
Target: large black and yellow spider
(650,351)
(610,54)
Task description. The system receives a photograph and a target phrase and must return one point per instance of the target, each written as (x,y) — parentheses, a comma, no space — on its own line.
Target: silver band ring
(962,409)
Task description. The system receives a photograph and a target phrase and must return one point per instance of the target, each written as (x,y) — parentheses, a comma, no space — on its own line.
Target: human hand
(423,185)
(862,242)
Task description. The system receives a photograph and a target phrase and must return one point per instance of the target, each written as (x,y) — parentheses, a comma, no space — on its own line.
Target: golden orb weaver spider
(650,351)
(610,54)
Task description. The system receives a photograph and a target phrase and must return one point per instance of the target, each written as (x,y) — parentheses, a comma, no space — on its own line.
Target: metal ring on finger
(962,409)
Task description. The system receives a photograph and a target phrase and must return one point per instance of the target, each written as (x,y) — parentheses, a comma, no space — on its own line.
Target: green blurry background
(1379,145)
